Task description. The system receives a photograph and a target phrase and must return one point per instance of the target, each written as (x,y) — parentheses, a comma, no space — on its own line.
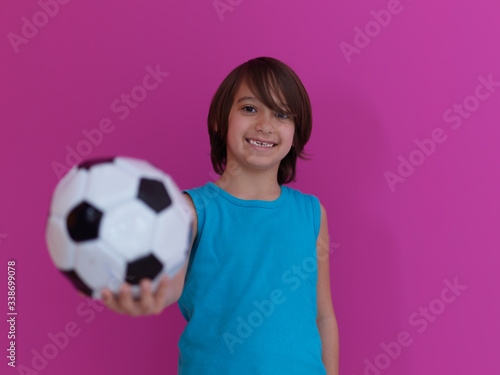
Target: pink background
(393,249)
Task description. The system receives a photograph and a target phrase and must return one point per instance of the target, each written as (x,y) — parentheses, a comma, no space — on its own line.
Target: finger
(111,301)
(126,302)
(161,293)
(146,302)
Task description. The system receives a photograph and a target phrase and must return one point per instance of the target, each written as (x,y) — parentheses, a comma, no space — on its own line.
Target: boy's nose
(265,122)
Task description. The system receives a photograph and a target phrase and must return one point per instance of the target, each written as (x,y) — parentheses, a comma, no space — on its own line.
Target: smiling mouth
(260,144)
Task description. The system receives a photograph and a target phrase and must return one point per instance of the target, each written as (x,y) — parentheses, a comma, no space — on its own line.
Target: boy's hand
(149,303)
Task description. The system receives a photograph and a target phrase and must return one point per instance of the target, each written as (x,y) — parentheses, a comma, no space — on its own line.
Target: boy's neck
(250,186)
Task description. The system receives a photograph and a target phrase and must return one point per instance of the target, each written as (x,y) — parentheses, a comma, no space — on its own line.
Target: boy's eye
(248,108)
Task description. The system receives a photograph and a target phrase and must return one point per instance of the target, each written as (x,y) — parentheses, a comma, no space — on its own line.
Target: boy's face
(250,120)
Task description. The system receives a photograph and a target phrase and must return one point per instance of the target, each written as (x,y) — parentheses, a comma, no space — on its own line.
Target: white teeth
(257,143)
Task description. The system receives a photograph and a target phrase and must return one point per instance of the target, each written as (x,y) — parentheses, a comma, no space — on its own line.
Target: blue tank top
(249,297)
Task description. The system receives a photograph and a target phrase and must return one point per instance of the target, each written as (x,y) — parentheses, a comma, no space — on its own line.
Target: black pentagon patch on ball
(87,164)
(146,267)
(77,282)
(83,222)
(154,194)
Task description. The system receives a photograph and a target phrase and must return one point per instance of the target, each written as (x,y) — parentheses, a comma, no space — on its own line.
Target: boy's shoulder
(299,192)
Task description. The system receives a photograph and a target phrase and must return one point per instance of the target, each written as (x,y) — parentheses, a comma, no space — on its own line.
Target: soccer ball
(117,220)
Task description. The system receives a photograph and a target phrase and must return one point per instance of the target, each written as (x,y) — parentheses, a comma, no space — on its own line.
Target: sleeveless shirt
(249,297)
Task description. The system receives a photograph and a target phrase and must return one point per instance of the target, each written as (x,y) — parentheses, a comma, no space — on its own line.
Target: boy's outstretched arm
(326,320)
(151,303)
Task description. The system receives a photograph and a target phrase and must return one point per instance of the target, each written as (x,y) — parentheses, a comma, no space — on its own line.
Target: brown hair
(264,76)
